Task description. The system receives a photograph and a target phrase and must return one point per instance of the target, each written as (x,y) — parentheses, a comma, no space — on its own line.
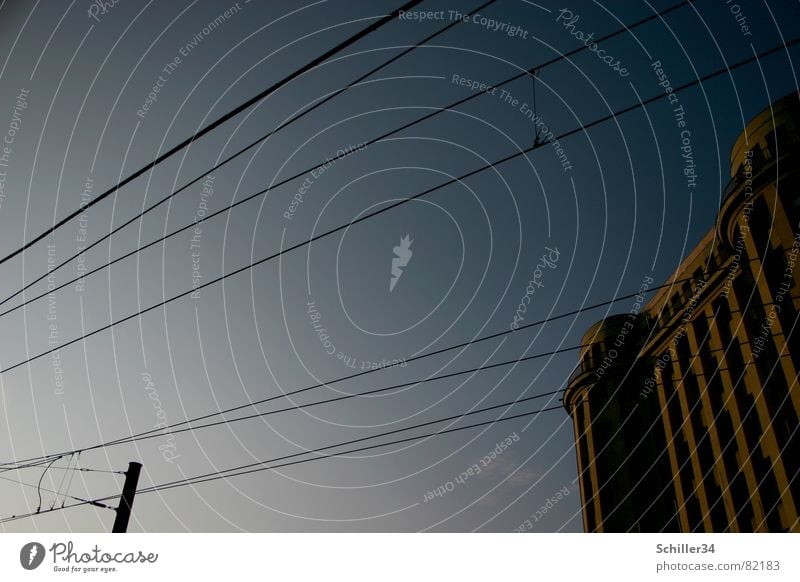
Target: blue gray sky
(78,101)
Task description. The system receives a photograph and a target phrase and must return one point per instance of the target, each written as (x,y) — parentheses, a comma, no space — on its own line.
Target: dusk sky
(90,92)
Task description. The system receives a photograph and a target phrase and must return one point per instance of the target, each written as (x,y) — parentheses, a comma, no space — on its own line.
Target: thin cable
(77,457)
(580,128)
(32,486)
(219,475)
(85,470)
(531,71)
(224,474)
(230,159)
(330,400)
(39,462)
(39,486)
(63,477)
(159,431)
(164,431)
(74,470)
(214,124)
(84,502)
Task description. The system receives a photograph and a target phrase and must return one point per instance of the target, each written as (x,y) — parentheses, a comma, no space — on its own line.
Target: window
(675,304)
(597,355)
(686,291)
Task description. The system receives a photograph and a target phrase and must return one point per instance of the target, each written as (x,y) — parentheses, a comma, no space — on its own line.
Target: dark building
(686,408)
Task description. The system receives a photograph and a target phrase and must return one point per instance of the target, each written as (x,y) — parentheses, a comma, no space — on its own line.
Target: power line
(223,474)
(40,461)
(51,510)
(220,475)
(532,71)
(43,460)
(230,158)
(85,470)
(248,469)
(164,431)
(35,461)
(167,486)
(635,106)
(336,399)
(74,469)
(39,486)
(57,493)
(72,457)
(152,433)
(227,473)
(580,128)
(216,123)
(327,233)
(32,486)
(77,458)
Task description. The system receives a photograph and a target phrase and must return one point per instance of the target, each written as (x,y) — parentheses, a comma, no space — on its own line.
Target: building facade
(686,409)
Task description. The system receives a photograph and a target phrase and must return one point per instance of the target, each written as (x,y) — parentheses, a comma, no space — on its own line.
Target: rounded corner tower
(685,412)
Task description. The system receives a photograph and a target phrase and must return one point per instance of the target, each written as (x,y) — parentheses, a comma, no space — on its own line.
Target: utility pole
(128,493)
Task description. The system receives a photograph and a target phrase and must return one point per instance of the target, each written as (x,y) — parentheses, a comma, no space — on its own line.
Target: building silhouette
(686,408)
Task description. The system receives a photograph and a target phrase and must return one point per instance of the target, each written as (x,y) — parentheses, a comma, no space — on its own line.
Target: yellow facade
(686,409)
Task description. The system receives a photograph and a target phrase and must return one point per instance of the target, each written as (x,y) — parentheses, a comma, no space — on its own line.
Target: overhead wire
(194,289)
(213,477)
(32,486)
(216,123)
(64,476)
(230,158)
(162,431)
(582,128)
(246,469)
(532,72)
(258,466)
